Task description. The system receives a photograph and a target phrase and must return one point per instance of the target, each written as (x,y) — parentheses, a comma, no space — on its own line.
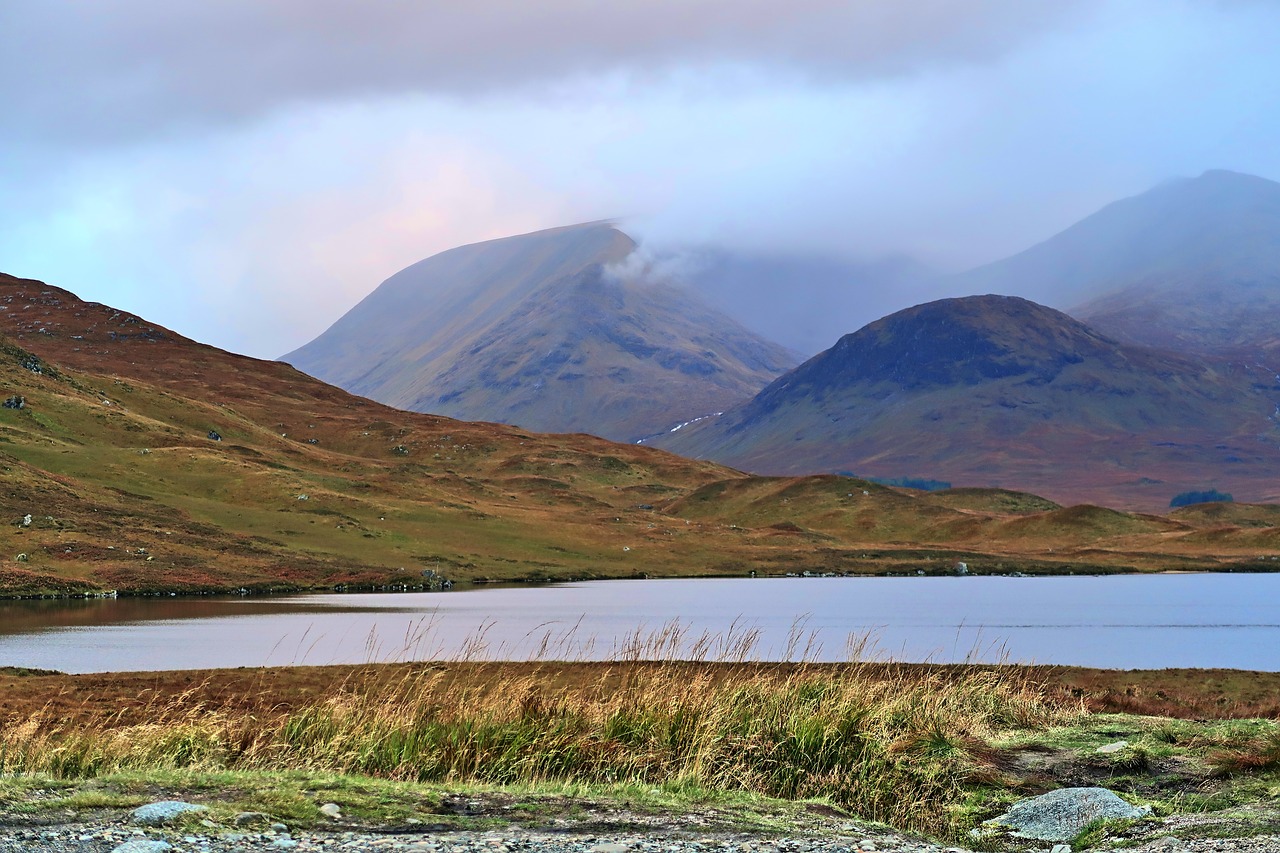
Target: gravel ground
(117,836)
(86,838)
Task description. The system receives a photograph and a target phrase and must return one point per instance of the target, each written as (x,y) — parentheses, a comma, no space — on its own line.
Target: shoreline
(1187,693)
(465,583)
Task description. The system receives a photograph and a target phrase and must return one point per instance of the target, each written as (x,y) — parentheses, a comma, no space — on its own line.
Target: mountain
(553,331)
(999,391)
(1192,264)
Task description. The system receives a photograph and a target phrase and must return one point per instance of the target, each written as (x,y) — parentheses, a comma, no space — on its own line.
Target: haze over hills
(1193,264)
(1000,391)
(553,331)
(803,301)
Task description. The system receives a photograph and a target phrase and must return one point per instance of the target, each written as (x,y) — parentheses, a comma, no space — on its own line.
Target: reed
(883,744)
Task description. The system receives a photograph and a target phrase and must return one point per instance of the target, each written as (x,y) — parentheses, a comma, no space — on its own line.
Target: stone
(961,568)
(1061,848)
(15,402)
(143,845)
(163,812)
(1113,748)
(332,810)
(246,818)
(1061,815)
(214,435)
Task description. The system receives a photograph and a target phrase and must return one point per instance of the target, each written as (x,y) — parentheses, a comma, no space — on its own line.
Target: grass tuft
(1254,755)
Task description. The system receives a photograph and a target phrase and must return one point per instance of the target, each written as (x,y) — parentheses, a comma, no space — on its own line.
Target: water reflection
(22,617)
(1127,622)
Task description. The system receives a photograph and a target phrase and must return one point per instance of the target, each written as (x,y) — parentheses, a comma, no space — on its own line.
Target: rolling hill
(142,461)
(546,330)
(1001,392)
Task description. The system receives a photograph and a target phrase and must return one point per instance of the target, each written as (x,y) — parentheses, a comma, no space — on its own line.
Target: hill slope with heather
(998,391)
(140,460)
(548,331)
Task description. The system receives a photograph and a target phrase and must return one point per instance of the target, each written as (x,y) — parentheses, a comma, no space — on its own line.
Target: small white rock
(1112,748)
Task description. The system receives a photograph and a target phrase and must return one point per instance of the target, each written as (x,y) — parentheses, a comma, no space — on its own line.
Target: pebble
(140,845)
(115,837)
(122,839)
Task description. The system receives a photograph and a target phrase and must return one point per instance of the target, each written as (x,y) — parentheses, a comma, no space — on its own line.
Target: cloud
(258,242)
(88,72)
(647,266)
(244,171)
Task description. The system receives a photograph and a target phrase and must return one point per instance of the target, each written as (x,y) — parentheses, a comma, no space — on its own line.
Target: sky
(246,171)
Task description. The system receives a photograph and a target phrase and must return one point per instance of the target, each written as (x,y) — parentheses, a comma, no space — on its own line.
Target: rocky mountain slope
(1000,391)
(133,458)
(1193,264)
(548,331)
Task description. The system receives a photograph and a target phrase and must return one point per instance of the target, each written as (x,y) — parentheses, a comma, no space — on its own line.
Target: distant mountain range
(1169,385)
(550,331)
(1161,381)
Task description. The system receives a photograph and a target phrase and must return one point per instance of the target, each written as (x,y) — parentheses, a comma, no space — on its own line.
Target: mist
(245,172)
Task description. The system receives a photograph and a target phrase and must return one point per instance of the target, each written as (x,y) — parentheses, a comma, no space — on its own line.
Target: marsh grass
(1261,752)
(883,743)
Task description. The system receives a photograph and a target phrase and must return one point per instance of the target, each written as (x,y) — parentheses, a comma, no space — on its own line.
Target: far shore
(974,570)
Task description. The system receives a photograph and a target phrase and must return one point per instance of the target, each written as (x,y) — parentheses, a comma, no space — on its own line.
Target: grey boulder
(163,812)
(1061,815)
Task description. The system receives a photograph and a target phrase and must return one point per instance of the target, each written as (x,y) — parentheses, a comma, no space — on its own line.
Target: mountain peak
(530,330)
(964,340)
(998,390)
(1229,175)
(1220,226)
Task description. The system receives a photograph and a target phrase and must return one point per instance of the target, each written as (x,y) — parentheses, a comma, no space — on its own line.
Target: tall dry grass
(888,745)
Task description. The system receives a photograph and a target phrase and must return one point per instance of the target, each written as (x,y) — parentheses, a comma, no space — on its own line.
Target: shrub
(922,483)
(1208,496)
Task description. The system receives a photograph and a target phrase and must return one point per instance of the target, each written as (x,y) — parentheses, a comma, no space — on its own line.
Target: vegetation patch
(1201,497)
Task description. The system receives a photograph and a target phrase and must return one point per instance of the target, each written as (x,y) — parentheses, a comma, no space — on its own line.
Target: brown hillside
(307,486)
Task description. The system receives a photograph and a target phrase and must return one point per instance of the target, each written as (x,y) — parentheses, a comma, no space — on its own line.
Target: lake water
(1128,622)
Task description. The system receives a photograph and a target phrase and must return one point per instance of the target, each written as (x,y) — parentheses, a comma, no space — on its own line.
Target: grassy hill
(306,486)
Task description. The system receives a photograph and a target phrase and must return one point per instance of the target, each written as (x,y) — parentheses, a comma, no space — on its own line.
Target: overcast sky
(244,171)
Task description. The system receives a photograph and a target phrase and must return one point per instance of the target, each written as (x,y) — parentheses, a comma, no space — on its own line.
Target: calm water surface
(1127,622)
